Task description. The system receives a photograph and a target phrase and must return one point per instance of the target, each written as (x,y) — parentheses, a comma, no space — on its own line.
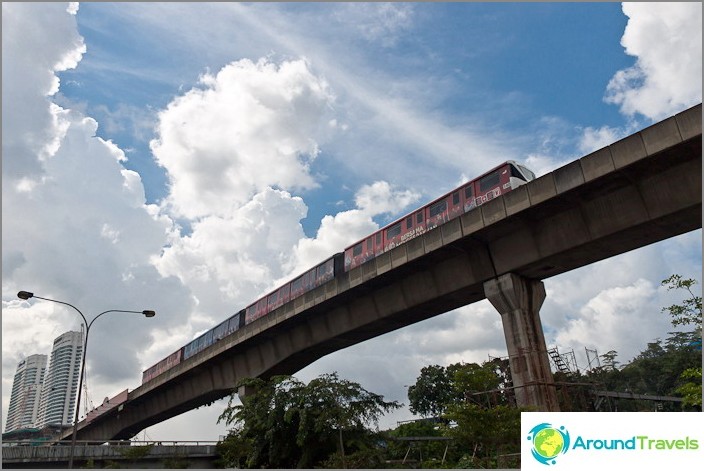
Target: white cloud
(250,126)
(81,231)
(228,261)
(381,197)
(594,139)
(606,321)
(666,39)
(377,22)
(37,41)
(347,227)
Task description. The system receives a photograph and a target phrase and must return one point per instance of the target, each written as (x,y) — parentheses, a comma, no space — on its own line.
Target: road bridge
(642,189)
(133,455)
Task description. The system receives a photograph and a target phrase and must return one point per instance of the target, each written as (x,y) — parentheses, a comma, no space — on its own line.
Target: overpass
(640,190)
(132,455)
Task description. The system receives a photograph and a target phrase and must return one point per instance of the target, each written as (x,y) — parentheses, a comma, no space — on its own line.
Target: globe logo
(548,442)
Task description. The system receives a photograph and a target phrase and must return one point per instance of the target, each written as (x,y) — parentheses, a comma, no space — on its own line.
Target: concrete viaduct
(642,189)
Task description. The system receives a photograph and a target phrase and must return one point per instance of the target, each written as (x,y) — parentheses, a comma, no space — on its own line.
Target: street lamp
(26,295)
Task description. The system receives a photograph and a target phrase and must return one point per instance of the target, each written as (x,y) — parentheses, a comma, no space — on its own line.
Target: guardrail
(20,453)
(62,443)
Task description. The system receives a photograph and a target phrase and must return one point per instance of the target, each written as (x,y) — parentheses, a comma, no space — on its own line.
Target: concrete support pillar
(518,300)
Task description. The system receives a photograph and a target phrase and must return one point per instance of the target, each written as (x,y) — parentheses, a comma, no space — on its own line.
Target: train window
(455,198)
(468,193)
(516,173)
(370,245)
(357,250)
(419,217)
(489,182)
(393,231)
(527,173)
(409,222)
(378,238)
(438,208)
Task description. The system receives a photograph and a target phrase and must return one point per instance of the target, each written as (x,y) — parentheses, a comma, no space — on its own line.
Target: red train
(468,196)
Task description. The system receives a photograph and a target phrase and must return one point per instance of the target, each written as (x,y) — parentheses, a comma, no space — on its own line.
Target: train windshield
(528,175)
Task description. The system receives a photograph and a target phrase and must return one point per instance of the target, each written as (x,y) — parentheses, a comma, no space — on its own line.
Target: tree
(609,359)
(687,313)
(485,432)
(690,311)
(429,394)
(288,424)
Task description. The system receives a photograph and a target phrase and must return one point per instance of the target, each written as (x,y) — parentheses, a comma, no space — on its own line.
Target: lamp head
(25,295)
(149,313)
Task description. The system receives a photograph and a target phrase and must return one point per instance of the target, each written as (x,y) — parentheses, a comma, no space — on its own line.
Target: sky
(190,157)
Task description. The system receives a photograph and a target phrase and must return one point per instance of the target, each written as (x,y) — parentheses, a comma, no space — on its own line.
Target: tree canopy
(285,423)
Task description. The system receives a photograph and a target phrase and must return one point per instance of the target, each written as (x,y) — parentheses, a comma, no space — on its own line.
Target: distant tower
(26,388)
(58,399)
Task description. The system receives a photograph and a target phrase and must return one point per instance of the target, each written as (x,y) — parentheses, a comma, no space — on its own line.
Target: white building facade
(23,411)
(58,396)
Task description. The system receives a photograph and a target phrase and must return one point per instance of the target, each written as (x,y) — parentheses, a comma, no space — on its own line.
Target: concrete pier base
(518,300)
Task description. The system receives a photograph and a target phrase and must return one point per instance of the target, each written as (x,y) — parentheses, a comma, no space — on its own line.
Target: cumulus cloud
(230,260)
(666,39)
(76,225)
(339,231)
(31,57)
(381,197)
(250,126)
(593,139)
(606,321)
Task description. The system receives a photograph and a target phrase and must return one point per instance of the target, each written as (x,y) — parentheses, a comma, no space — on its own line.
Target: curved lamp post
(26,295)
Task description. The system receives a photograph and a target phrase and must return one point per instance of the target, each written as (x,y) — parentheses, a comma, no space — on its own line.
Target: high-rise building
(58,398)
(26,388)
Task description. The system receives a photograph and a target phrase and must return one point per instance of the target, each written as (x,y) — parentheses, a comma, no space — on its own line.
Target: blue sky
(189,156)
(513,73)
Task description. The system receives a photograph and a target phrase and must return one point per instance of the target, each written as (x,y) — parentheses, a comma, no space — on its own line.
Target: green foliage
(692,391)
(431,451)
(485,432)
(287,424)
(687,313)
(477,401)
(690,310)
(175,463)
(609,359)
(432,391)
(438,386)
(135,452)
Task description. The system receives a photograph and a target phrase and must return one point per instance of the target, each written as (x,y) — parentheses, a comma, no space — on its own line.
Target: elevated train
(466,197)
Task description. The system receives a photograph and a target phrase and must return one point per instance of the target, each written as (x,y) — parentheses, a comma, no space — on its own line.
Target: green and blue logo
(548,442)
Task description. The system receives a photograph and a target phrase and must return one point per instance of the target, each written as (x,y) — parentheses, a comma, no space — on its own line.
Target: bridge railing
(35,451)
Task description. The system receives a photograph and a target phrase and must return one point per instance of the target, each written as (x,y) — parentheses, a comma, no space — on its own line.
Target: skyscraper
(58,398)
(26,389)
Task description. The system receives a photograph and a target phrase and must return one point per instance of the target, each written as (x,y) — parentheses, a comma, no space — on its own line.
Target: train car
(199,344)
(309,280)
(228,326)
(106,406)
(165,364)
(466,197)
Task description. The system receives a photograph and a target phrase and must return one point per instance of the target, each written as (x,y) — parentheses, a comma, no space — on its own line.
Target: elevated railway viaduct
(642,189)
